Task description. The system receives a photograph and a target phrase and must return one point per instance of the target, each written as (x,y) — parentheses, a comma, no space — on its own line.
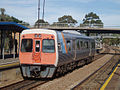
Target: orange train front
(46,52)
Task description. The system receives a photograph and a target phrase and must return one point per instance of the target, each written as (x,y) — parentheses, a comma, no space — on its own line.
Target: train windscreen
(48,46)
(26,45)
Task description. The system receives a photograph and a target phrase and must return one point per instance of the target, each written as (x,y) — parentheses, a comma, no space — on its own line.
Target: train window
(48,46)
(26,45)
(73,45)
(59,46)
(68,45)
(78,45)
(37,46)
(86,44)
(93,44)
(81,43)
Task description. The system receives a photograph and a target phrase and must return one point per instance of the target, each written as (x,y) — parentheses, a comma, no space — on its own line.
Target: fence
(57,25)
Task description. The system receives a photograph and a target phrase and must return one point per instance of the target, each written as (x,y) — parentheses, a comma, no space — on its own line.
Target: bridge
(111,37)
(86,29)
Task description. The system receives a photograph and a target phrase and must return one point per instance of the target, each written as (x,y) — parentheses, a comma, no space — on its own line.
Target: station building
(10,39)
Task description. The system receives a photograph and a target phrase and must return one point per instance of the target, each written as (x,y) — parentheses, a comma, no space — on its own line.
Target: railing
(69,25)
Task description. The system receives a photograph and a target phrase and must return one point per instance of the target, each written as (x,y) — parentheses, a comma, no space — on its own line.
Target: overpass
(65,26)
(87,30)
(111,37)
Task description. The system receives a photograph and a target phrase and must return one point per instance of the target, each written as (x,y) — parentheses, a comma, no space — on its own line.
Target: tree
(2,10)
(92,20)
(111,41)
(5,17)
(67,19)
(41,22)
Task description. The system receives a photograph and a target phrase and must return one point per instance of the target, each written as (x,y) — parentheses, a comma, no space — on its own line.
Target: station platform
(9,63)
(113,82)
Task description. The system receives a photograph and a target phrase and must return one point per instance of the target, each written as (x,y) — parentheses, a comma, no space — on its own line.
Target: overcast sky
(26,10)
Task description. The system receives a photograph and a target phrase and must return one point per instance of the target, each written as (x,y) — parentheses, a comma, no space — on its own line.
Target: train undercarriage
(49,71)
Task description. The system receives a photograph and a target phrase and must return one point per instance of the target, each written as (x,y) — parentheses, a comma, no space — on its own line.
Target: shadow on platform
(9,56)
(111,53)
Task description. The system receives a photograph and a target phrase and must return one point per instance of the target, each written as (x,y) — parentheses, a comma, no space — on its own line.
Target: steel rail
(90,76)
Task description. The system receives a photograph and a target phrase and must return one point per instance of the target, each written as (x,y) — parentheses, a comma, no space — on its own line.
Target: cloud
(83,1)
(53,14)
(111,20)
(114,1)
(21,2)
(26,10)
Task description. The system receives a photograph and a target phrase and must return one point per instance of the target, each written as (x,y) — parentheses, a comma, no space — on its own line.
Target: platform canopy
(8,26)
(10,38)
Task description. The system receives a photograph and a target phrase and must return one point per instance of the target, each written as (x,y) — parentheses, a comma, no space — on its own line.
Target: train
(46,53)
(98,45)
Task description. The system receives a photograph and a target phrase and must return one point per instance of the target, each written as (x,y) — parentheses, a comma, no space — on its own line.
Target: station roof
(12,26)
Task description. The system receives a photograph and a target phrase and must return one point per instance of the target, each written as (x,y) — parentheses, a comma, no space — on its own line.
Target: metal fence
(57,25)
(64,25)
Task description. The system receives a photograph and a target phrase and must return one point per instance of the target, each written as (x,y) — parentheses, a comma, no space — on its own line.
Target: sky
(26,10)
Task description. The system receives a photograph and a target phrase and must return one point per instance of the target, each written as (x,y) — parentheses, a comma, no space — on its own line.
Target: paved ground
(9,62)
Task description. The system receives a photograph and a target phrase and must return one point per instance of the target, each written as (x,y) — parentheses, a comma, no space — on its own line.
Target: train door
(74,48)
(36,51)
(90,46)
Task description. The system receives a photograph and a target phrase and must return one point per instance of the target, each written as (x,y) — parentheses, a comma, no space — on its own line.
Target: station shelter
(10,39)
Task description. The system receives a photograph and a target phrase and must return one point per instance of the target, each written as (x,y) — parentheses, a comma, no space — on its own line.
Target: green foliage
(67,19)
(2,11)
(92,20)
(41,23)
(7,18)
(111,41)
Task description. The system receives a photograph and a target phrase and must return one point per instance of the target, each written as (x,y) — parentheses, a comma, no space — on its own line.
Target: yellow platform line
(108,80)
(7,65)
(118,64)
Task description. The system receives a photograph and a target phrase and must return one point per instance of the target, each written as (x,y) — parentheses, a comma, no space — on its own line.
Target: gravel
(72,79)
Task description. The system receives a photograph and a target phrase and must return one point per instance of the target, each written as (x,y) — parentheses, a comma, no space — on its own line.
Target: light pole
(43,9)
(38,13)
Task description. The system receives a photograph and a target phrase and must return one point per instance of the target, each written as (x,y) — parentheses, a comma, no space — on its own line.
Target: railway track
(107,50)
(24,85)
(30,84)
(96,79)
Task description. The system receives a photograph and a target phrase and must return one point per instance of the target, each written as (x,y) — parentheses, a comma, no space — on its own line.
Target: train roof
(32,31)
(71,32)
(68,33)
(75,34)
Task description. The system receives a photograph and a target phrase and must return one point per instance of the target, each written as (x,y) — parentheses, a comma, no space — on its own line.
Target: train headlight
(39,35)
(35,35)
